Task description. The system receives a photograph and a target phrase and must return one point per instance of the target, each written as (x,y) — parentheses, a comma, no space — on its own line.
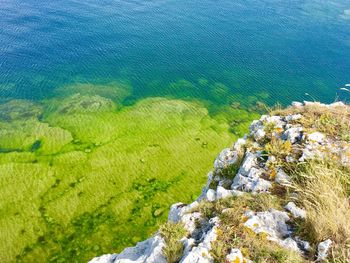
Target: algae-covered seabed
(83,174)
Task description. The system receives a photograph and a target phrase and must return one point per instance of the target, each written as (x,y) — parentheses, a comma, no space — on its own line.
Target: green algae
(82,175)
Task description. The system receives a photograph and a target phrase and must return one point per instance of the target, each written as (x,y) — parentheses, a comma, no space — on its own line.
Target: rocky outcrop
(254,164)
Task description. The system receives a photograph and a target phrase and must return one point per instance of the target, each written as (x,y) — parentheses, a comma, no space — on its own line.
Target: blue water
(273,50)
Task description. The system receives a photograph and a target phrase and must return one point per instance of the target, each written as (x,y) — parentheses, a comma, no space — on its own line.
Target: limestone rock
(257,130)
(148,251)
(211,195)
(290,244)
(226,158)
(322,249)
(293,134)
(250,160)
(316,137)
(282,178)
(296,211)
(223,193)
(293,117)
(273,223)
(239,145)
(235,256)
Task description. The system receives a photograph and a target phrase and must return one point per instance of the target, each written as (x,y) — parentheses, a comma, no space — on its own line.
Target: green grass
(82,176)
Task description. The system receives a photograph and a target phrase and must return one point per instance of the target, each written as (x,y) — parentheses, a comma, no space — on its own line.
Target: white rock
(189,221)
(254,185)
(255,173)
(189,243)
(239,182)
(296,211)
(211,235)
(290,244)
(271,159)
(221,193)
(257,129)
(201,253)
(322,249)
(311,151)
(273,223)
(148,251)
(175,212)
(316,137)
(297,104)
(276,120)
(259,185)
(304,245)
(198,255)
(211,195)
(235,256)
(293,117)
(259,134)
(336,104)
(239,145)
(345,156)
(250,160)
(226,158)
(282,178)
(293,134)
(178,210)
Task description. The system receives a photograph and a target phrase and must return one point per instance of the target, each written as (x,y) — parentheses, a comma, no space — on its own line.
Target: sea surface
(277,49)
(111,111)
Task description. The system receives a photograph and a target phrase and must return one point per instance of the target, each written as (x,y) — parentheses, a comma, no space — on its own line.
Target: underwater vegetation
(82,174)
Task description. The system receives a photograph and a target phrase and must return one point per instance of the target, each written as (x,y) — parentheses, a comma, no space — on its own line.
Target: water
(90,160)
(276,48)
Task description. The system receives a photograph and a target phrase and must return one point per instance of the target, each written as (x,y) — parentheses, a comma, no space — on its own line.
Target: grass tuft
(323,190)
(172,233)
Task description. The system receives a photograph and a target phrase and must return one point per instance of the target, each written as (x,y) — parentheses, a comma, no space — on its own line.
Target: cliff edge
(280,194)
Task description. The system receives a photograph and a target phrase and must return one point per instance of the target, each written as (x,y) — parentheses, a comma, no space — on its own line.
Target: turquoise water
(272,50)
(90,161)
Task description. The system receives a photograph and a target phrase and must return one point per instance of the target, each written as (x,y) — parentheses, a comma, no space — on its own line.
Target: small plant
(332,121)
(172,233)
(232,233)
(279,148)
(231,171)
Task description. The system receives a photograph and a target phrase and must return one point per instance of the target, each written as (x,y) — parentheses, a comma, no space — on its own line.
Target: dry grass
(333,121)
(233,234)
(323,189)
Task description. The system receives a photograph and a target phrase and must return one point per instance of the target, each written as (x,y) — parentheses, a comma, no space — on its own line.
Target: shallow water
(110,111)
(278,49)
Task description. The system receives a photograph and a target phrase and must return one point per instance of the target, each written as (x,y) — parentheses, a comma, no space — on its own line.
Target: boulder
(316,137)
(226,158)
(250,161)
(293,134)
(282,178)
(295,211)
(148,251)
(272,222)
(322,249)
